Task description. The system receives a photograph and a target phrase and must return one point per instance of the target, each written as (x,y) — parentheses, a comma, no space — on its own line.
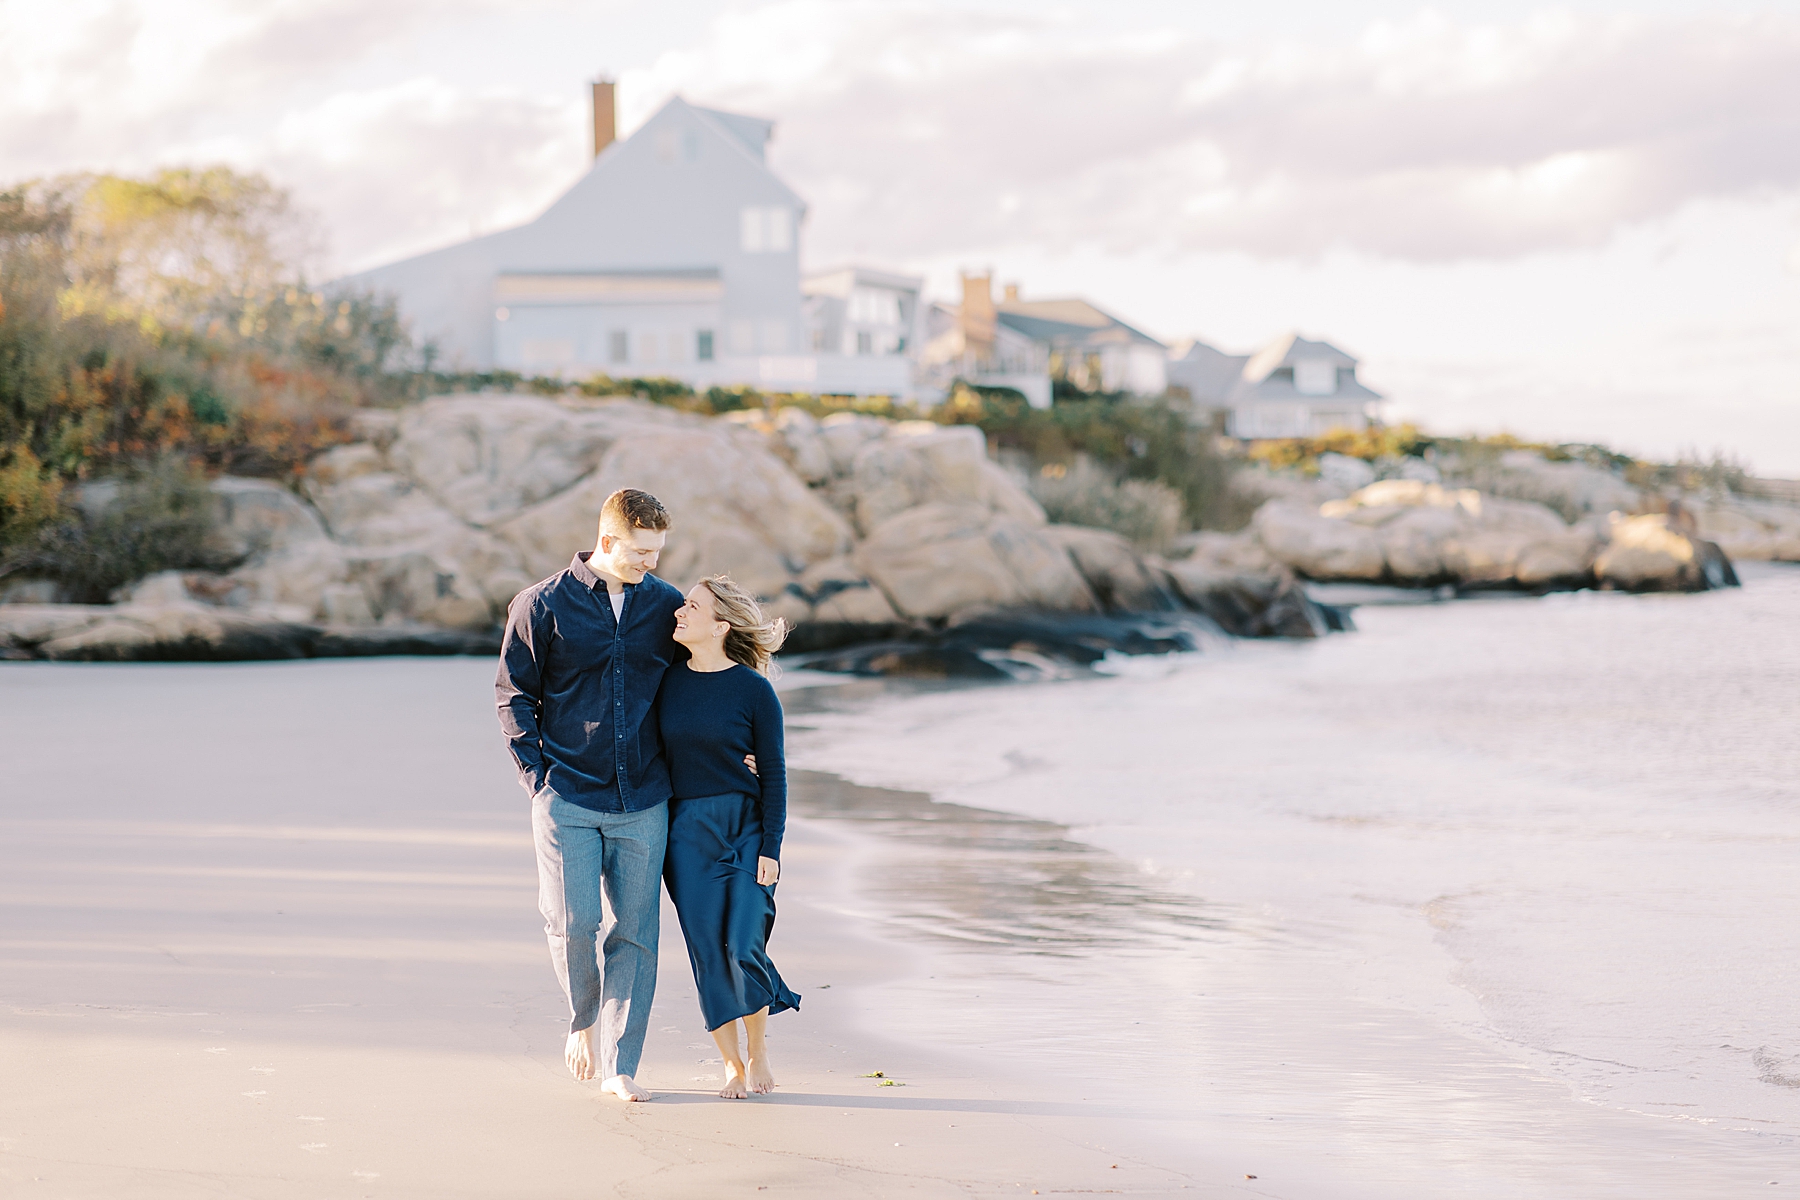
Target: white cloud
(1421,139)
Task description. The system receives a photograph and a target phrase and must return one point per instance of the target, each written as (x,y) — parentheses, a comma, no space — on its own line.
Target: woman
(721,731)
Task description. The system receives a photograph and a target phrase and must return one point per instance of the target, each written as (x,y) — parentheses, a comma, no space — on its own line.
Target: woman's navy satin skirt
(726,916)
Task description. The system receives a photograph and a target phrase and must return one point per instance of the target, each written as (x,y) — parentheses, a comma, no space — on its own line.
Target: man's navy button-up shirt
(577,688)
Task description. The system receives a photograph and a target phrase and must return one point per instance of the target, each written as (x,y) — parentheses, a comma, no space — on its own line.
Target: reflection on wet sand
(982,879)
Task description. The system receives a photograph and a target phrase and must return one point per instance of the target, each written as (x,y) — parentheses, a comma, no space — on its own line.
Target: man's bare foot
(625,1088)
(762,1080)
(734,1088)
(579,1053)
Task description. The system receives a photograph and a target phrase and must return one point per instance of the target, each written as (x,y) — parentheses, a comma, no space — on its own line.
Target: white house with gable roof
(676,255)
(1293,387)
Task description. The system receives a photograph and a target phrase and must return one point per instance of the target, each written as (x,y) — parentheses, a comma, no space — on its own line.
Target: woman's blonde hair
(753,638)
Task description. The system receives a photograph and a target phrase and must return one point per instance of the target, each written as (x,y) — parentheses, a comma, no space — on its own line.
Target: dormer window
(1315,377)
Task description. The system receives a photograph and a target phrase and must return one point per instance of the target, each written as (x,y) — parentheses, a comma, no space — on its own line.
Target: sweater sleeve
(771,769)
(519,689)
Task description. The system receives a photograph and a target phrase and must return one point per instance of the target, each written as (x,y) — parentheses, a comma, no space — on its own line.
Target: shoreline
(1361,1014)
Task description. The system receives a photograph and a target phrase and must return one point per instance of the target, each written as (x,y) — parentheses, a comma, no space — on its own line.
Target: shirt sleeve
(519,688)
(767,736)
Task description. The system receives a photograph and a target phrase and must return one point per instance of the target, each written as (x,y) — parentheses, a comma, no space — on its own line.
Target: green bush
(156,518)
(1146,511)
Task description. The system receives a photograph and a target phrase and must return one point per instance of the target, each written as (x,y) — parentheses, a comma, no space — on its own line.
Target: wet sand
(270,930)
(1488,900)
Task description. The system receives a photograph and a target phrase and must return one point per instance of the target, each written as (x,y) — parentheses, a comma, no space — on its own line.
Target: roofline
(737,143)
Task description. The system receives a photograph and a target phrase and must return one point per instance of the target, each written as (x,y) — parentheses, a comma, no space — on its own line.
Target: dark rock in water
(1016,645)
(1262,606)
(810,637)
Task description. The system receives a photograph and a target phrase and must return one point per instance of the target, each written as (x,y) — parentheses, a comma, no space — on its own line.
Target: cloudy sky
(1568,221)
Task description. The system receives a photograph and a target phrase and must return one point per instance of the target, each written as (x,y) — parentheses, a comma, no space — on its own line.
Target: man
(583,656)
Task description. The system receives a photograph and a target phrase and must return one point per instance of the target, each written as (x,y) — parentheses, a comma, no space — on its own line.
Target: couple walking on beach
(651,743)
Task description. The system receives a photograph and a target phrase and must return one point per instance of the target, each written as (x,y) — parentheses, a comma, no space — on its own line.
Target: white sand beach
(270,930)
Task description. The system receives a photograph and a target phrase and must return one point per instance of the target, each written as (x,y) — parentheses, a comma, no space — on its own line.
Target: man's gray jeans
(600,881)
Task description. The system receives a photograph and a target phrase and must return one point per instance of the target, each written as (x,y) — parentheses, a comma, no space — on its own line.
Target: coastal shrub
(158,517)
(1146,511)
(168,319)
(1147,440)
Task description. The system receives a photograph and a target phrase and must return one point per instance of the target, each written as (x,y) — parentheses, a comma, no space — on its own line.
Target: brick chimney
(1012,293)
(978,316)
(606,122)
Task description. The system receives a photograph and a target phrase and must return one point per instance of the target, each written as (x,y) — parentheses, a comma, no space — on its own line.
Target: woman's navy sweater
(709,721)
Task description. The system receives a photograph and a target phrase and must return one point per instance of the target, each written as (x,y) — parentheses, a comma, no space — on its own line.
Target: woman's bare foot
(762,1080)
(735,1088)
(579,1053)
(625,1088)
(725,1037)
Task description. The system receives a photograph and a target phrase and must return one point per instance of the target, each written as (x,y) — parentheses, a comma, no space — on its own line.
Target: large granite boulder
(1750,529)
(942,560)
(486,458)
(920,462)
(289,560)
(1120,580)
(839,593)
(736,509)
(1655,553)
(412,557)
(1318,547)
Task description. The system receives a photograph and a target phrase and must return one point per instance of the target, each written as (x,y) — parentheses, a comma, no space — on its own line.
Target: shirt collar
(578,567)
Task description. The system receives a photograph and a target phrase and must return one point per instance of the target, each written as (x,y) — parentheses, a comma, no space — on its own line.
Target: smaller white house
(1088,347)
(1293,387)
(864,327)
(1026,344)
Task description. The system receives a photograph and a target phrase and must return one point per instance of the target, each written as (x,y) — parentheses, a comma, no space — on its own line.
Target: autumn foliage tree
(161,329)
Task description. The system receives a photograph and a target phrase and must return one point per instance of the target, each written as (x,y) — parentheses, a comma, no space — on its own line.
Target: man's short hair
(628,509)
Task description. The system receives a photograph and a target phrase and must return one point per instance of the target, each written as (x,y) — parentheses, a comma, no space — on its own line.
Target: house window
(871,307)
(690,146)
(618,346)
(865,342)
(765,230)
(703,350)
(1315,377)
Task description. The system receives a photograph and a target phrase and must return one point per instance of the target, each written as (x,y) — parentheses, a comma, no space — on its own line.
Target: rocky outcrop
(1571,489)
(940,560)
(182,630)
(1119,578)
(1319,547)
(850,527)
(1420,534)
(1661,553)
(1750,529)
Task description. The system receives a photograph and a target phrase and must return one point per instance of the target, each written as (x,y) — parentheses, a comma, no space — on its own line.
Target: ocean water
(1494,898)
